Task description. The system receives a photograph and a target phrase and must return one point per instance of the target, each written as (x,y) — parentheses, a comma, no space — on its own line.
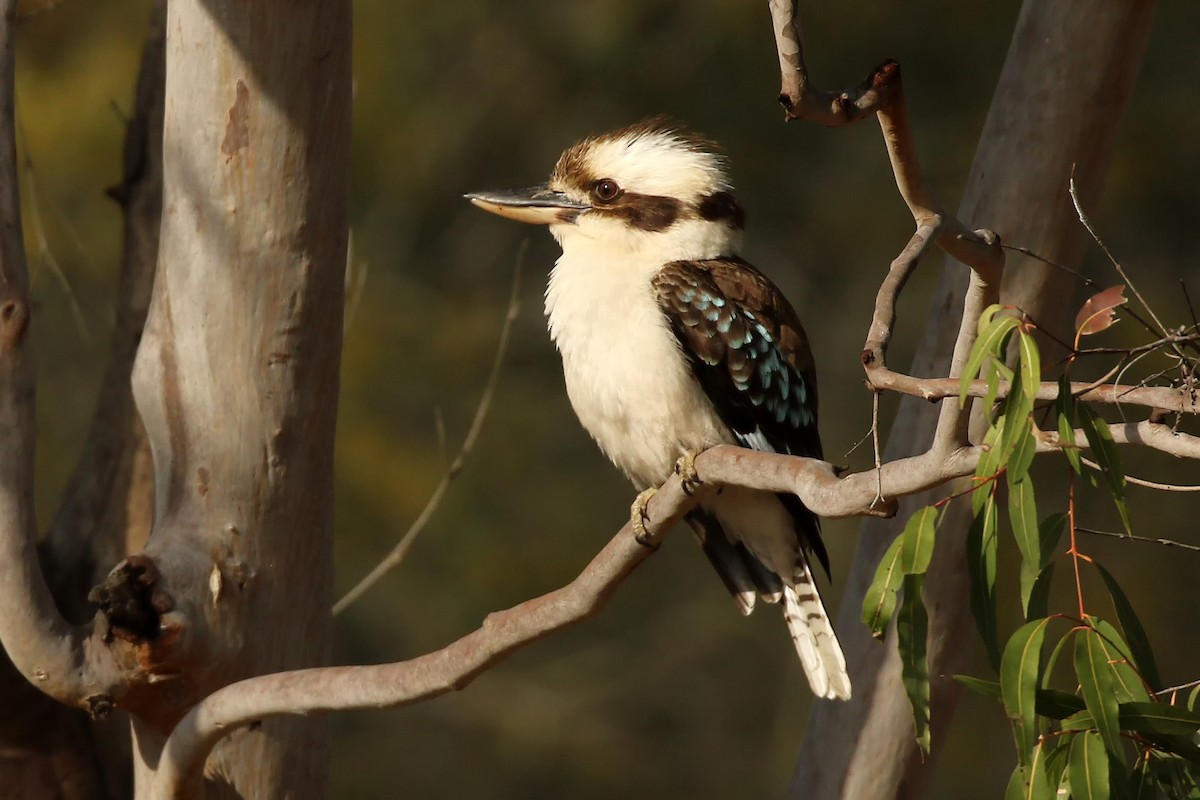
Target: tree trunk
(1064,87)
(236,378)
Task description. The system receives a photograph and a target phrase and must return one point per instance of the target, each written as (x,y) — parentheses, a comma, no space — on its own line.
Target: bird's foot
(638,518)
(685,468)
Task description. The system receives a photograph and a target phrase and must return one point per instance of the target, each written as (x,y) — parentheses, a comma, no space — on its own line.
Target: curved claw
(685,468)
(638,519)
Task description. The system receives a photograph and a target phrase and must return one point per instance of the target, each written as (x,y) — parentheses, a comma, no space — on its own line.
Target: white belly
(626,378)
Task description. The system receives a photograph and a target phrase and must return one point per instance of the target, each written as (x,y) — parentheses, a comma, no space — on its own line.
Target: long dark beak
(539,205)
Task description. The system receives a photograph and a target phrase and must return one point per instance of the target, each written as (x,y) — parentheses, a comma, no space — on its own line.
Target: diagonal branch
(453,667)
(422,678)
(48,651)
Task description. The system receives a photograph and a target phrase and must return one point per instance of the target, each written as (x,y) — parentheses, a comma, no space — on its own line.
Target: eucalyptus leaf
(1088,768)
(1096,683)
(981,570)
(912,630)
(879,604)
(1019,671)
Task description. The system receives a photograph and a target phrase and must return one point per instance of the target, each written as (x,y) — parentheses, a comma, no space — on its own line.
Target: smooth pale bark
(53,750)
(236,378)
(1064,87)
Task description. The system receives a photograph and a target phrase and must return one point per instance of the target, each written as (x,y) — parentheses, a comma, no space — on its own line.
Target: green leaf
(1050,531)
(1058,751)
(880,602)
(1022,513)
(1174,776)
(1039,595)
(912,629)
(1051,703)
(1192,695)
(1030,783)
(981,569)
(918,538)
(993,331)
(1158,718)
(1019,670)
(993,458)
(1030,365)
(1088,769)
(1057,704)
(1127,683)
(1141,783)
(1104,450)
(1022,449)
(1017,441)
(1184,747)
(1064,408)
(1040,787)
(1135,634)
(1097,686)
(997,372)
(989,689)
(1018,787)
(1058,649)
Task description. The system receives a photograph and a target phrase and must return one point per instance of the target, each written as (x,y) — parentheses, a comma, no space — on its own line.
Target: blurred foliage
(669,692)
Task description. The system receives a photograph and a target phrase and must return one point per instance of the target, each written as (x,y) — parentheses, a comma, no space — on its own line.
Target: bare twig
(1146,539)
(875,447)
(397,554)
(1083,218)
(46,254)
(1166,487)
(1179,688)
(356,284)
(1166,397)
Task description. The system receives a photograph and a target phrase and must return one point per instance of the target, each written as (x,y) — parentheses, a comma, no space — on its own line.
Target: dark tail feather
(808,527)
(743,575)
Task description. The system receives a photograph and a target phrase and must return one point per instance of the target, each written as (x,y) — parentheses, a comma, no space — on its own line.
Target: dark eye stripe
(647,212)
(724,207)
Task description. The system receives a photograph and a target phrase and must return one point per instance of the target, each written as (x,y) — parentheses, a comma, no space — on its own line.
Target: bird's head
(651,190)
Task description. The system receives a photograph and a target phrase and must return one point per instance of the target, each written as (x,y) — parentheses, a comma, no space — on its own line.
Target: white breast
(626,377)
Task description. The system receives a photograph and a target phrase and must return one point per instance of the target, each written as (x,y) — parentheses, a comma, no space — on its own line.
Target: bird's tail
(813,635)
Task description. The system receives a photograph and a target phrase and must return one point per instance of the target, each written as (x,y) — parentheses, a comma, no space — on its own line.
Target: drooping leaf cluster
(1088,719)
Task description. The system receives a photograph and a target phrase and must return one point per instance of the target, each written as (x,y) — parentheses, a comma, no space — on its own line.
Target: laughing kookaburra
(671,344)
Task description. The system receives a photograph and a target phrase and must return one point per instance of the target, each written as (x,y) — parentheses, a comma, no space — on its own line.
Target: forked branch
(816,483)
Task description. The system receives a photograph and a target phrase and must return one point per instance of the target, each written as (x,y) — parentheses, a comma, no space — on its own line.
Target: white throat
(624,375)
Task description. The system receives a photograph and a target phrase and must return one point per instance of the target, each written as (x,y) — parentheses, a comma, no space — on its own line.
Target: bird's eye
(606,190)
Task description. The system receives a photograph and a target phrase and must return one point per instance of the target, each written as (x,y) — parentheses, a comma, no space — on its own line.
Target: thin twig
(875,446)
(1162,329)
(1091,284)
(1166,487)
(857,445)
(397,554)
(1025,251)
(45,254)
(355,283)
(1179,688)
(1145,539)
(1191,308)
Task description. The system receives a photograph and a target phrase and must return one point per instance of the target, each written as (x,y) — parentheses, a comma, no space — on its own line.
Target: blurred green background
(669,693)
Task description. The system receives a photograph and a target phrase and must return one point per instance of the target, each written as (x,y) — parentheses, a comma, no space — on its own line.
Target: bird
(672,343)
